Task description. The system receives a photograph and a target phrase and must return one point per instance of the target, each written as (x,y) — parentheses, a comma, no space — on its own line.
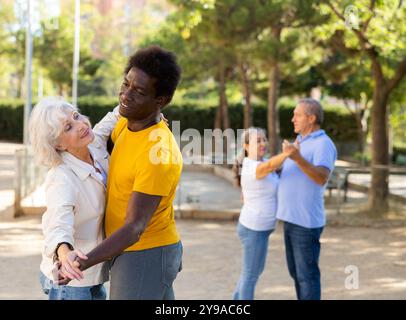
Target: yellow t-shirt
(147,161)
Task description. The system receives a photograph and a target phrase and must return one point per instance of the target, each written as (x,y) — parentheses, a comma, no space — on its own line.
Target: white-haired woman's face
(257,146)
(76,133)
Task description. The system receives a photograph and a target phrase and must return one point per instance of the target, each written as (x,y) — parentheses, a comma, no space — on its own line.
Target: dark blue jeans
(302,246)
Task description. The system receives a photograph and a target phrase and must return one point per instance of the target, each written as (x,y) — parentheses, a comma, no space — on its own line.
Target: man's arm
(140,209)
(318,174)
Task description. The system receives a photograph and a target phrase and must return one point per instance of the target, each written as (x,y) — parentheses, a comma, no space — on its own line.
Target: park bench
(400,159)
(338,180)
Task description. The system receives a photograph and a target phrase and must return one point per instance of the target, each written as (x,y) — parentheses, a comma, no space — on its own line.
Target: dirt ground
(212,261)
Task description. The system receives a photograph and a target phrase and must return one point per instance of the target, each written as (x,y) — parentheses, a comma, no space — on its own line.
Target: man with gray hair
(301,196)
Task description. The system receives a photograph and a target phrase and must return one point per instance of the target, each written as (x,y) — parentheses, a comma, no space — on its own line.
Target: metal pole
(76,54)
(28,64)
(17,183)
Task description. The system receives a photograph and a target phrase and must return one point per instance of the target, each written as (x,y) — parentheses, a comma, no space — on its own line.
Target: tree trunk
(218,118)
(360,131)
(273,95)
(60,89)
(273,116)
(247,95)
(20,86)
(223,97)
(379,190)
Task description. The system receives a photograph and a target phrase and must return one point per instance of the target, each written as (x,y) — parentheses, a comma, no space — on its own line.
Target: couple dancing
(295,197)
(112,213)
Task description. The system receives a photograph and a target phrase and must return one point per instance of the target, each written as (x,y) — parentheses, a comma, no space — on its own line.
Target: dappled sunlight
(329,240)
(277,289)
(7,173)
(193,242)
(210,226)
(392,283)
(397,244)
(7,200)
(398,232)
(400,263)
(366,251)
(396,286)
(392,254)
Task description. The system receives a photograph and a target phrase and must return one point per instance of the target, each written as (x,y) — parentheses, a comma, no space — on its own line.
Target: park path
(212,252)
(212,261)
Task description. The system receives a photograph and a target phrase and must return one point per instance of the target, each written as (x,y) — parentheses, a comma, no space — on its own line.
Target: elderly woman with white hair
(75,187)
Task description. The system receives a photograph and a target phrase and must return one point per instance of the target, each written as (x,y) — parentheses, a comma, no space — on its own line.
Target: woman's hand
(58,278)
(69,267)
(164,119)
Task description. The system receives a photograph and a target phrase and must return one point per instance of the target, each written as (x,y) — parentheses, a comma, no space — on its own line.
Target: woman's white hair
(45,126)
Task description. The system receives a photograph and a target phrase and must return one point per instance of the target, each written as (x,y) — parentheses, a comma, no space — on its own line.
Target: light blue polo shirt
(300,199)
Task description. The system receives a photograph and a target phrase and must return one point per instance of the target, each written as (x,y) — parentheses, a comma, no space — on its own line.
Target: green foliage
(11,119)
(337,124)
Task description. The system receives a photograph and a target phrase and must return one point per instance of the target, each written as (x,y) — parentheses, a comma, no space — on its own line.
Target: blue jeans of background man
(255,248)
(302,246)
(54,292)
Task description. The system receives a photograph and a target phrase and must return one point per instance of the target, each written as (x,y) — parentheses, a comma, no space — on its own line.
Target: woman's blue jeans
(255,248)
(54,292)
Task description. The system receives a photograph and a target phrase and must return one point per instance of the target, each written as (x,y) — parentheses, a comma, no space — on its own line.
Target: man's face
(138,99)
(302,122)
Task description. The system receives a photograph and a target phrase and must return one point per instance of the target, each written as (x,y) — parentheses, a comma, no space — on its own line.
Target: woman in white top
(259,183)
(75,187)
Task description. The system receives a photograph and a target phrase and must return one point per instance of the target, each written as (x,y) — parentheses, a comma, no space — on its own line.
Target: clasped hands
(67,267)
(292,149)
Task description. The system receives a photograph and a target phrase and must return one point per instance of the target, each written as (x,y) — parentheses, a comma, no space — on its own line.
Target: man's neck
(309,130)
(138,125)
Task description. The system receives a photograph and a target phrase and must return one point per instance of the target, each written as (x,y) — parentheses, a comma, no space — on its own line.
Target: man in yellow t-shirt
(145,168)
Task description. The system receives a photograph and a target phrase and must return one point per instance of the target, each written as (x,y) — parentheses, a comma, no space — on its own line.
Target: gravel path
(212,259)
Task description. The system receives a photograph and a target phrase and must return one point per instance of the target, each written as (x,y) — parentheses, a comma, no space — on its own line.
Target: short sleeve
(120,126)
(154,179)
(325,155)
(249,168)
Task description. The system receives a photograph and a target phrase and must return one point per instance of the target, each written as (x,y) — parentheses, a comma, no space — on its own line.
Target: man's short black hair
(160,64)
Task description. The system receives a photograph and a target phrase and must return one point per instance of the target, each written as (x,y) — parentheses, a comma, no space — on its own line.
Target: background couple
(296,197)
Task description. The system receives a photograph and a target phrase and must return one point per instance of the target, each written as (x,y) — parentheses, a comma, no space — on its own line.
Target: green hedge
(341,127)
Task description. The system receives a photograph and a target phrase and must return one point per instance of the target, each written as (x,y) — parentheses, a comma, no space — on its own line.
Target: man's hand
(293,149)
(164,119)
(318,174)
